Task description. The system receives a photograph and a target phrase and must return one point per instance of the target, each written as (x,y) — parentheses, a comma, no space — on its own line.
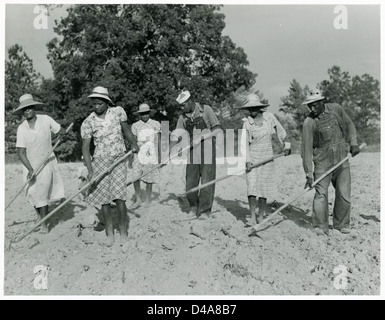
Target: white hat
(313,96)
(183,97)
(252,100)
(100,92)
(25,100)
(144,107)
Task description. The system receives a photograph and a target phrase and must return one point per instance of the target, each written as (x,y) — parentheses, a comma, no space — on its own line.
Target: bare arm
(22,153)
(87,157)
(129,136)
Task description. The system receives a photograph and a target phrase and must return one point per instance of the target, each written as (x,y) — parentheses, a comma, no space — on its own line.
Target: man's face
(188,106)
(316,107)
(254,111)
(29,113)
(100,106)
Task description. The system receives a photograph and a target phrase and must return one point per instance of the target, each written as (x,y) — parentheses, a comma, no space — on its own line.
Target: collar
(320,115)
(142,122)
(197,111)
(251,120)
(94,116)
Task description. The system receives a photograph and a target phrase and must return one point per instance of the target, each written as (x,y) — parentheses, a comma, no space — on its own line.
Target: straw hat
(144,107)
(253,101)
(183,97)
(26,100)
(101,93)
(313,96)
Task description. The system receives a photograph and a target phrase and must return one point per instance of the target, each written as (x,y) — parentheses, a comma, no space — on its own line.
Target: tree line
(149,53)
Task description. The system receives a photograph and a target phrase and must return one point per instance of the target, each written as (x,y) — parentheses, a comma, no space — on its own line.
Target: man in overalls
(201,166)
(326,136)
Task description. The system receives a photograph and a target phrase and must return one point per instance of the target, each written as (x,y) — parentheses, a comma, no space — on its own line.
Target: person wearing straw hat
(33,145)
(328,134)
(201,167)
(106,125)
(258,129)
(147,132)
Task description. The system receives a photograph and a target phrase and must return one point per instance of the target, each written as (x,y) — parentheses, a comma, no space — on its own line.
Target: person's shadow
(67,212)
(182,201)
(235,208)
(293,213)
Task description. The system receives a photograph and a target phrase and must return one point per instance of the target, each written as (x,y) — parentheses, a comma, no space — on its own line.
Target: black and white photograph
(192,150)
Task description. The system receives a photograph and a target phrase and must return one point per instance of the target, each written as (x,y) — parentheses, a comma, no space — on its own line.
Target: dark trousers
(340,179)
(204,198)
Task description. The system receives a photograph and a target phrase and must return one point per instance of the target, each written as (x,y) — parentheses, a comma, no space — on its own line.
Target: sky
(282,42)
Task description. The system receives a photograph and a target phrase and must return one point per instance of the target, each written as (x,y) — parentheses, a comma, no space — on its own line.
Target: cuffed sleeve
(245,145)
(211,118)
(20,141)
(54,126)
(281,132)
(307,145)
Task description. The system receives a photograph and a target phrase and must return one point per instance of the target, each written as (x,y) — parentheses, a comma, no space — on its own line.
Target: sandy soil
(168,255)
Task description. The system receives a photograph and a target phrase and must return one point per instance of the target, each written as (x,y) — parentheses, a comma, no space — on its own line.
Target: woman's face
(145,116)
(100,106)
(29,113)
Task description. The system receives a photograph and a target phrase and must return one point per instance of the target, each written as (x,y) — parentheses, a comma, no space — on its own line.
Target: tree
(365,104)
(20,78)
(337,88)
(144,53)
(360,97)
(292,104)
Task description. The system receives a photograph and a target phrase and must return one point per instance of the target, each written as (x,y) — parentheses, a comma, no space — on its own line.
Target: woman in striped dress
(259,127)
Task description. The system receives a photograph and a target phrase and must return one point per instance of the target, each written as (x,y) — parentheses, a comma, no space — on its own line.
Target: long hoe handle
(156,167)
(38,168)
(230,175)
(69,199)
(257,227)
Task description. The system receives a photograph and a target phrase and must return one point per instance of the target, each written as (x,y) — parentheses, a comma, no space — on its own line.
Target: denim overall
(200,201)
(329,147)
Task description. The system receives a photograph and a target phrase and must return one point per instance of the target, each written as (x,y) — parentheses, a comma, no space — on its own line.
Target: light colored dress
(147,157)
(262,181)
(38,143)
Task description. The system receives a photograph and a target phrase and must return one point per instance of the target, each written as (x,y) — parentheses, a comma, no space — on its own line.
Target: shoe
(319,232)
(344,230)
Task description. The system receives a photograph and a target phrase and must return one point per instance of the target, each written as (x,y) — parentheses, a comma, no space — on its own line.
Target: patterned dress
(262,182)
(109,147)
